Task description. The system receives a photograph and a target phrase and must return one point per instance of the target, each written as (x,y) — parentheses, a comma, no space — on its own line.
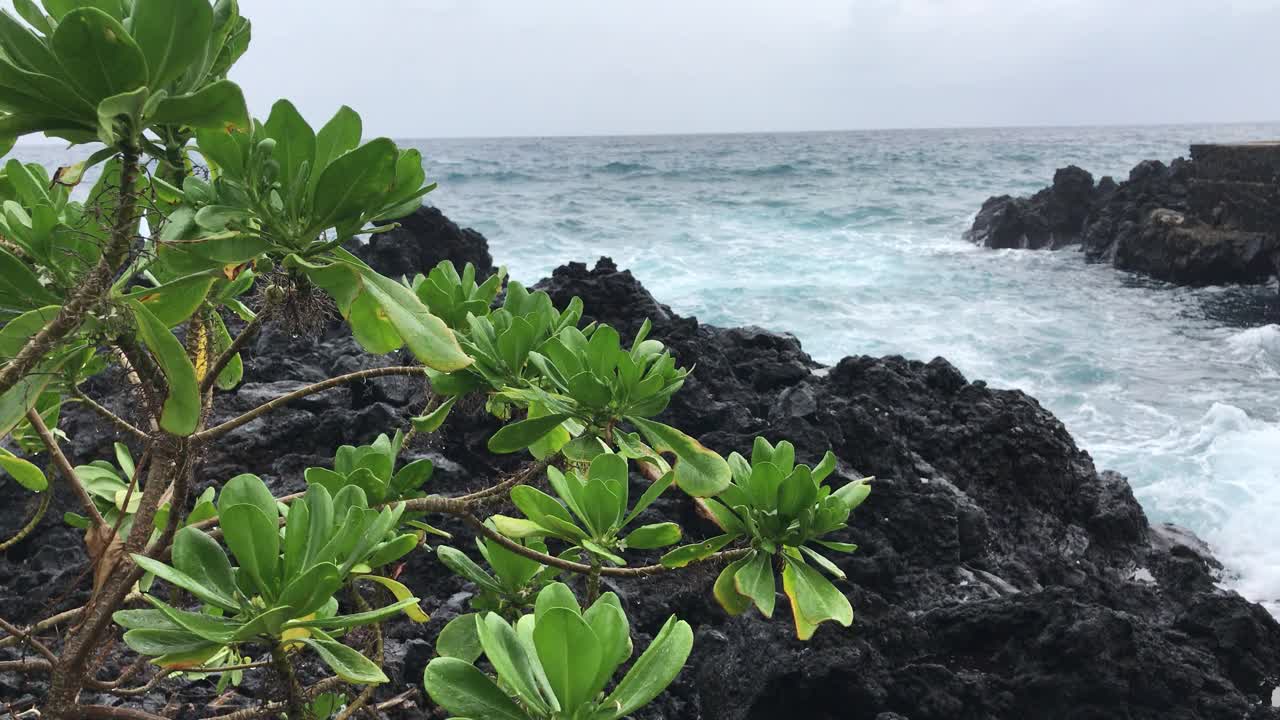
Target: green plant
(556,663)
(372,468)
(281,595)
(202,584)
(785,509)
(591,512)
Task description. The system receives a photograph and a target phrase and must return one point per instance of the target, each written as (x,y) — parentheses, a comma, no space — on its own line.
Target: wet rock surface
(999,573)
(1210,220)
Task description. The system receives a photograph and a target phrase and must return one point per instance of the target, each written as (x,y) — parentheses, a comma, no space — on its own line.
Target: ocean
(852,242)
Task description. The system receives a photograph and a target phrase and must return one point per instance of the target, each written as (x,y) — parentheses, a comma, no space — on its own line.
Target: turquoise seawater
(852,241)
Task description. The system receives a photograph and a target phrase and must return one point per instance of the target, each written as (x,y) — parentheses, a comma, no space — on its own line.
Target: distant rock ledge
(1210,220)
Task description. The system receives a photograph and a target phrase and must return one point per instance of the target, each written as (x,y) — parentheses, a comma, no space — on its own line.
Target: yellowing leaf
(401,594)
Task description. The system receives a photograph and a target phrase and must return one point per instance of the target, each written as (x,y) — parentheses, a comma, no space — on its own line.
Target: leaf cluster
(556,663)
(284,584)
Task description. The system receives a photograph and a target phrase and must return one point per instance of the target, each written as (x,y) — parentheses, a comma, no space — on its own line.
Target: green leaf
(653,671)
(700,472)
(392,550)
(824,468)
(854,493)
(520,435)
(609,623)
(28,475)
(464,566)
(726,592)
(459,639)
(653,492)
(146,641)
(310,590)
(120,116)
(181,412)
(647,537)
(248,489)
(343,622)
(346,662)
(255,541)
(797,493)
(515,667)
(755,580)
(466,692)
(823,562)
(224,149)
(201,558)
(814,599)
(338,136)
(175,302)
(213,596)
(725,518)
(33,15)
(556,595)
(218,107)
(841,547)
(233,373)
(170,34)
(546,511)
(100,57)
(58,9)
(295,144)
(355,182)
(570,654)
(208,627)
(687,554)
(428,338)
(18,279)
(432,421)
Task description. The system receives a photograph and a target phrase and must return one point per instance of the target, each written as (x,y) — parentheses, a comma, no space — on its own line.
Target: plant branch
(519,478)
(64,466)
(106,712)
(26,637)
(111,417)
(295,702)
(226,427)
(26,666)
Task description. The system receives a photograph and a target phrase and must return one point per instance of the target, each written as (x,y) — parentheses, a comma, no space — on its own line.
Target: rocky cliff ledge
(1210,220)
(1000,574)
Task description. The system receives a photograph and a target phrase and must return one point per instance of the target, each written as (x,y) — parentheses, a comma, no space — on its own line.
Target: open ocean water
(852,241)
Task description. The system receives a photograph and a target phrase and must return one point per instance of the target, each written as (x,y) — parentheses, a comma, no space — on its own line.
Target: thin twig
(64,466)
(226,427)
(111,417)
(26,666)
(106,712)
(26,637)
(31,524)
(520,477)
(395,701)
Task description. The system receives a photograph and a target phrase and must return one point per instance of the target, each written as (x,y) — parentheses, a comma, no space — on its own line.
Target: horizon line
(47,142)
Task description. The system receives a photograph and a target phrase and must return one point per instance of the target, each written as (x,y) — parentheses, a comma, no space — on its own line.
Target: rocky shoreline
(1211,220)
(999,574)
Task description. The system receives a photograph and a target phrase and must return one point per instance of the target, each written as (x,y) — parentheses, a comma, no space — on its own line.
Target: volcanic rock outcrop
(999,574)
(1210,220)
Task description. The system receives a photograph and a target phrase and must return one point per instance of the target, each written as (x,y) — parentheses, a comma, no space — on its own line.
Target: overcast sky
(431,68)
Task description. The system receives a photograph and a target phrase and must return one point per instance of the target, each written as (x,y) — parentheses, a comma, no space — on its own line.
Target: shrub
(144,276)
